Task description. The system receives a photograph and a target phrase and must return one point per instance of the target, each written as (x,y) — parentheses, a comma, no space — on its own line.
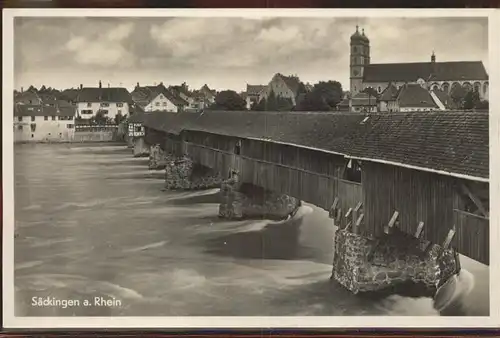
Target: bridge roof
(449,143)
(453,143)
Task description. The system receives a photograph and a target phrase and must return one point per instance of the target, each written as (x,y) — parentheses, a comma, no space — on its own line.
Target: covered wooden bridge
(425,173)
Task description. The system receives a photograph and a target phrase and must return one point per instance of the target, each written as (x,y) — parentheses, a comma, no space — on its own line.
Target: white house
(109,101)
(35,123)
(157,98)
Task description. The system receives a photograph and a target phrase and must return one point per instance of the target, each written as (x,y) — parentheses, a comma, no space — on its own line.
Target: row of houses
(410,97)
(49,114)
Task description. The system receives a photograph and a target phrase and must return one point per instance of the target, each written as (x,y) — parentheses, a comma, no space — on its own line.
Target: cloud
(231,51)
(105,50)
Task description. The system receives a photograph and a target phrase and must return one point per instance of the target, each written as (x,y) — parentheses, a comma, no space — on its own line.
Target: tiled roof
(411,72)
(390,93)
(454,142)
(144,95)
(104,95)
(413,95)
(136,114)
(36,110)
(255,89)
(69,94)
(363,99)
(292,82)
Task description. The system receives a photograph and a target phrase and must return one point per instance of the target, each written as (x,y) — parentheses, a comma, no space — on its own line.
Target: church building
(431,75)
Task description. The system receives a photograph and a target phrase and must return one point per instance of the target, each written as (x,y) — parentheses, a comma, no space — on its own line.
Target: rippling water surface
(92,221)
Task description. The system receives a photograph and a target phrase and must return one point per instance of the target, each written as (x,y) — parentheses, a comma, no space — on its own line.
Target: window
(20,127)
(119,104)
(32,135)
(53,118)
(20,118)
(157,104)
(164,103)
(86,112)
(89,104)
(119,111)
(32,118)
(105,112)
(46,118)
(69,126)
(104,104)
(379,89)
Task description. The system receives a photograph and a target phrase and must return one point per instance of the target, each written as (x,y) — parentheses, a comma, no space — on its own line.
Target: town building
(109,101)
(414,97)
(38,123)
(154,98)
(253,94)
(363,102)
(285,87)
(432,75)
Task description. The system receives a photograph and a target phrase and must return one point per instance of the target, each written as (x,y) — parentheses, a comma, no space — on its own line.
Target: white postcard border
(10,321)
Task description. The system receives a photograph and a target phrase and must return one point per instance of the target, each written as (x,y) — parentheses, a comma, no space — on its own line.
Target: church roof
(411,72)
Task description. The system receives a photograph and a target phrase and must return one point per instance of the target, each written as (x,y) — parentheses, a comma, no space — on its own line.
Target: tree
(259,105)
(275,102)
(371,91)
(119,118)
(99,118)
(312,101)
(330,91)
(228,100)
(458,95)
(471,100)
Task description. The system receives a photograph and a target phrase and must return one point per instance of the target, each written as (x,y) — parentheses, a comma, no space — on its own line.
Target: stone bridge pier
(182,173)
(158,158)
(246,201)
(395,259)
(141,148)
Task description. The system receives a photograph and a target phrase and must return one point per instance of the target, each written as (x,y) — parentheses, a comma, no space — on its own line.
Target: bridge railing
(472,235)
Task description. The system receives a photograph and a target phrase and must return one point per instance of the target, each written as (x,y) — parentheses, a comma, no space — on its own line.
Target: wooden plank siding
(313,177)
(473,236)
(153,137)
(308,186)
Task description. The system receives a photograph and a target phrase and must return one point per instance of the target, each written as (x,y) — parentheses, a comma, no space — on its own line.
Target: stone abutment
(247,201)
(141,148)
(181,173)
(372,264)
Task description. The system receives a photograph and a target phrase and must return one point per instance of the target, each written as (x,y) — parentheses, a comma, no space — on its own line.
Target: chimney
(81,86)
(100,84)
(433,57)
(22,90)
(138,85)
(108,84)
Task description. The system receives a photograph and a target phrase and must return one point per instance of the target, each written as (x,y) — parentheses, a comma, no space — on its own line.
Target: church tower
(360,56)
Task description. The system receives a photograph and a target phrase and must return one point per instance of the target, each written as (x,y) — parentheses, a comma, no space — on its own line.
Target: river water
(92,221)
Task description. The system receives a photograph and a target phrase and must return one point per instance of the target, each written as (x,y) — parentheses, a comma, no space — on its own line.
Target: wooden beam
(477,202)
(349,212)
(333,208)
(449,238)
(391,223)
(420,229)
(358,223)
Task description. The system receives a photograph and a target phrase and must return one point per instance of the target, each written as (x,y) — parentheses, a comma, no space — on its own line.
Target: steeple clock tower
(360,56)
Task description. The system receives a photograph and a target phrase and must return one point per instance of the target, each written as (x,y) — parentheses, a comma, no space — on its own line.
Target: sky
(226,53)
